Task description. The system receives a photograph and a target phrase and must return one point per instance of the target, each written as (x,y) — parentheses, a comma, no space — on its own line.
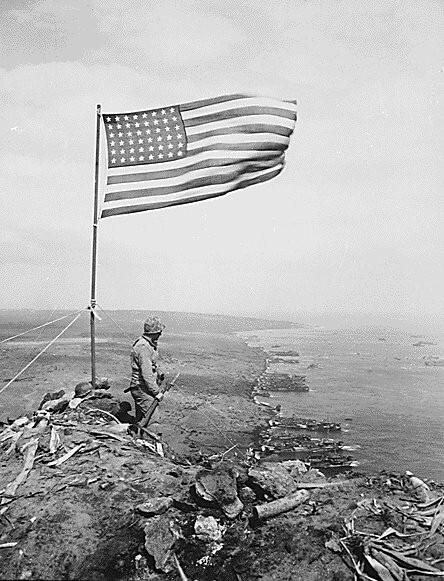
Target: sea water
(376,383)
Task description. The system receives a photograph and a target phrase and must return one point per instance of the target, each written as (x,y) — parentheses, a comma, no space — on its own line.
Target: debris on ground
(220,486)
(82,496)
(160,535)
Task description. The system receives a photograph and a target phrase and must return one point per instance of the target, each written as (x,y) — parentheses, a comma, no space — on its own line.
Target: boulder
(296,468)
(51,396)
(313,475)
(56,405)
(101,400)
(160,537)
(247,495)
(219,486)
(156,505)
(273,479)
(208,529)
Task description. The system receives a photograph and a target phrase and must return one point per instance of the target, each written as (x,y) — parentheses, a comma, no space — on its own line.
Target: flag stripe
(240,139)
(262,128)
(210,188)
(230,113)
(194,180)
(237,147)
(248,120)
(243,182)
(162,175)
(167,166)
(237,104)
(205,102)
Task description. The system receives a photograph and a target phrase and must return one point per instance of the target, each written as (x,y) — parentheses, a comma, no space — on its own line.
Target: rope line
(116,323)
(39,327)
(41,352)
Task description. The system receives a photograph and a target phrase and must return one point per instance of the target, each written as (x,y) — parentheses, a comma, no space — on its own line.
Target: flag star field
(145,137)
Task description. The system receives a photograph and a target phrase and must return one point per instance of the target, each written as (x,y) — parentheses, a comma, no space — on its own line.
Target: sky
(352,225)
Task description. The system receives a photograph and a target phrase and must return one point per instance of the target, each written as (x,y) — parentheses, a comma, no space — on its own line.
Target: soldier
(146,377)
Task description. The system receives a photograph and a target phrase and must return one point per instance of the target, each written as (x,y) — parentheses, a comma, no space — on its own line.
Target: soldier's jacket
(144,369)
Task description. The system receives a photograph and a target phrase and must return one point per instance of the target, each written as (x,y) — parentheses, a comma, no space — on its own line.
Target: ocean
(374,381)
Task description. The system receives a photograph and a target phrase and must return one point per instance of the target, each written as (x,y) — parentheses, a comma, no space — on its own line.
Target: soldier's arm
(146,367)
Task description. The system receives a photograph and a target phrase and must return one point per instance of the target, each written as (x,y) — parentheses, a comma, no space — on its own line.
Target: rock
(160,537)
(56,405)
(51,396)
(208,529)
(219,486)
(420,488)
(75,402)
(103,383)
(273,479)
(233,509)
(156,505)
(313,475)
(103,401)
(295,467)
(247,495)
(19,423)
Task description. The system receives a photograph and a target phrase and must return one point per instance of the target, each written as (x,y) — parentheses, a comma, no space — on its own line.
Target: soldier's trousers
(142,402)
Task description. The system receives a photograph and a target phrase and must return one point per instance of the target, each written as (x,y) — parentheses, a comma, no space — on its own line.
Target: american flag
(194,151)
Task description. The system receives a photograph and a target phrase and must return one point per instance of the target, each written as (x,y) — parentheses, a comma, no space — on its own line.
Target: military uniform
(146,377)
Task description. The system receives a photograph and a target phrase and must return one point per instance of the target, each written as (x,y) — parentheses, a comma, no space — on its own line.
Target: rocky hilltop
(196,497)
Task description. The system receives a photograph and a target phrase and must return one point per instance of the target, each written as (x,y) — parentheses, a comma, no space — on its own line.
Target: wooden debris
(10,490)
(334,484)
(263,511)
(66,456)
(55,441)
(8,545)
(103,412)
(394,562)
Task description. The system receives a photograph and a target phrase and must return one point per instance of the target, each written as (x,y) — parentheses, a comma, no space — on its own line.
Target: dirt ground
(79,520)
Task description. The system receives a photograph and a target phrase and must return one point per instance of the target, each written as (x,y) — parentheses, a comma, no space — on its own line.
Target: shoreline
(86,520)
(344,389)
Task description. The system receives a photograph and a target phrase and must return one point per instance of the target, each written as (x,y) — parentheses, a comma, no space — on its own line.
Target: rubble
(285,353)
(155,505)
(221,519)
(219,486)
(282,382)
(272,479)
(160,536)
(263,511)
(208,529)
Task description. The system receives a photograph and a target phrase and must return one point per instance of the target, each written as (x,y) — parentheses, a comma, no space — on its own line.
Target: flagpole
(94,250)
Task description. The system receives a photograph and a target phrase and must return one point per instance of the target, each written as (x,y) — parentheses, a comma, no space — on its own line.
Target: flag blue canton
(145,137)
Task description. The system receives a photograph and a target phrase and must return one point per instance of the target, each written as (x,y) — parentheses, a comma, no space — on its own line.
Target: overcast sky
(353,224)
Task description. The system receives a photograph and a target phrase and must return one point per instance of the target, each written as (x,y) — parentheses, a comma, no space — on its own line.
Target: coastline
(377,385)
(86,524)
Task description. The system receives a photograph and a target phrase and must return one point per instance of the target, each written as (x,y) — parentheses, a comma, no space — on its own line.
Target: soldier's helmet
(83,389)
(153,325)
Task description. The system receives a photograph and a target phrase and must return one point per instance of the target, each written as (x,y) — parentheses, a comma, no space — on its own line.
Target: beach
(376,381)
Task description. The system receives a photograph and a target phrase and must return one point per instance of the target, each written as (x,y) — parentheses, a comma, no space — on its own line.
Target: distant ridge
(176,321)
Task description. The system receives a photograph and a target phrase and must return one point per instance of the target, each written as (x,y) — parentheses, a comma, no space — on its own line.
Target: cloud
(363,174)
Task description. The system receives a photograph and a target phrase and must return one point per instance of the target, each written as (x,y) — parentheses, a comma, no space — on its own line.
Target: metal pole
(94,250)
